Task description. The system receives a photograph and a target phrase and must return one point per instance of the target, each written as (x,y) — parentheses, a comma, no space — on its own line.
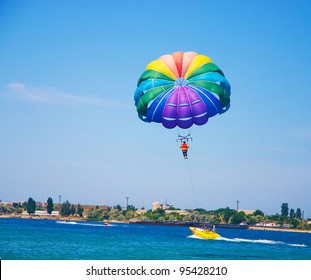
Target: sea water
(32,239)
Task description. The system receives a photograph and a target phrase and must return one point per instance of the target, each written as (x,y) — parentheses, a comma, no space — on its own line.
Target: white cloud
(50,95)
(16,86)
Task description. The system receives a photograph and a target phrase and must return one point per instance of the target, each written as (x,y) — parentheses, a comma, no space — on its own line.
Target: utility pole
(237,205)
(127,202)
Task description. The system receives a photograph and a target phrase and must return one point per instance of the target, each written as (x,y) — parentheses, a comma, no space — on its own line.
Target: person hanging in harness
(184,148)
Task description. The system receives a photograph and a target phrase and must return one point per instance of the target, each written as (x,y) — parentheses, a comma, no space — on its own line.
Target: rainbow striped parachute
(181,89)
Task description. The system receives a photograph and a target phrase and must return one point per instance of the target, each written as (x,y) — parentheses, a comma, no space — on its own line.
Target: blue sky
(68,123)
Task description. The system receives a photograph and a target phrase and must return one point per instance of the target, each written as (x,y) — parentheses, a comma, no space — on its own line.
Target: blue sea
(32,239)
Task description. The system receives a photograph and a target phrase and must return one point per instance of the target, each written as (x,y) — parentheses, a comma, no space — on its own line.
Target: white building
(42,213)
(156,205)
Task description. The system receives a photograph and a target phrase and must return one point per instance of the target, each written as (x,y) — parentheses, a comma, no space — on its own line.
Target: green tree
(31,206)
(172,217)
(298,213)
(72,209)
(95,214)
(251,220)
(3,209)
(292,213)
(17,208)
(294,223)
(15,204)
(115,214)
(200,210)
(118,207)
(24,205)
(228,213)
(80,210)
(258,213)
(131,207)
(238,217)
(284,210)
(159,211)
(50,206)
(129,214)
(149,215)
(65,209)
(161,219)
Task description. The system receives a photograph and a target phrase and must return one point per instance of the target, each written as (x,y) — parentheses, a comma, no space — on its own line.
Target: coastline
(278,229)
(45,217)
(150,222)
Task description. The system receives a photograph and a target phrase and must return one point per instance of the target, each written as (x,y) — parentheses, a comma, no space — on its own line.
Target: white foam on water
(84,224)
(298,245)
(91,225)
(96,225)
(67,223)
(194,236)
(262,241)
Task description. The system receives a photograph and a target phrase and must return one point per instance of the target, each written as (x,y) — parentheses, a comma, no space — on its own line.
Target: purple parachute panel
(184,108)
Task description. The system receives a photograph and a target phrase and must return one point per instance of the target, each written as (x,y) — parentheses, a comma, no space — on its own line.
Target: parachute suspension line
(173,131)
(178,133)
(191,184)
(192,128)
(183,138)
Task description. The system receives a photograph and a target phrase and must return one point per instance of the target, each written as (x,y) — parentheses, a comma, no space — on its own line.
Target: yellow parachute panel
(197,62)
(160,66)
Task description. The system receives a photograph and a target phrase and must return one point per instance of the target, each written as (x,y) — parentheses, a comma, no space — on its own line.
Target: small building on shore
(41,213)
(180,212)
(247,212)
(140,211)
(156,205)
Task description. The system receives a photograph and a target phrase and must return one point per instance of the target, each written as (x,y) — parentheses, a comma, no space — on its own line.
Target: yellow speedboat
(204,233)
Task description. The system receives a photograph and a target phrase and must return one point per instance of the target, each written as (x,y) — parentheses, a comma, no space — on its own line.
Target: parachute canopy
(181,89)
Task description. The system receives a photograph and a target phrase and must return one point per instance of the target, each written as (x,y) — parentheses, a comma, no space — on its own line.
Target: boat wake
(262,241)
(96,225)
(84,224)
(67,223)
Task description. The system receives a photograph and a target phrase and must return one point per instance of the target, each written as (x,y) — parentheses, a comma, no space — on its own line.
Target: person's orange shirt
(184,146)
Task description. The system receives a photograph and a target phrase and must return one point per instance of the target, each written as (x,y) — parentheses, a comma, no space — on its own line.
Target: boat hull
(203,233)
